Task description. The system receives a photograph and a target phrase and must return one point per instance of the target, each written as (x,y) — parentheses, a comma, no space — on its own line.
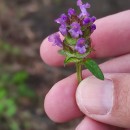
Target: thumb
(106,101)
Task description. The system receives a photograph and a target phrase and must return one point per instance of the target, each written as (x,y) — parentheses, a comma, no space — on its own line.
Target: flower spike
(76,46)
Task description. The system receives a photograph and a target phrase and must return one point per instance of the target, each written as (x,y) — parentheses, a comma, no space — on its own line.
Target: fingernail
(95,96)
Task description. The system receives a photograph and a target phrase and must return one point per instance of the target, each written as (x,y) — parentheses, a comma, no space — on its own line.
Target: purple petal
(63,29)
(93,19)
(71,12)
(93,27)
(58,20)
(81,41)
(73,33)
(79,2)
(87,5)
(86,21)
(84,11)
(83,8)
(80,45)
(81,50)
(75,30)
(55,38)
(63,18)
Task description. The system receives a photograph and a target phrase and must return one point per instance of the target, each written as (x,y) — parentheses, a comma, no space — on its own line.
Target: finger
(110,39)
(60,103)
(50,54)
(106,101)
(89,124)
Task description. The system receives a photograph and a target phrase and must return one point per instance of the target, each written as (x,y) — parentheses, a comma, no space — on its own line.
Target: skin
(110,40)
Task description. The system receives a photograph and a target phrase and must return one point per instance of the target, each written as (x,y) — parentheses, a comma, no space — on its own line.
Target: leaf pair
(90,64)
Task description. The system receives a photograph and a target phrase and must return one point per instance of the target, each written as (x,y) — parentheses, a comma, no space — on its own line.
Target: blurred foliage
(12,88)
(8,48)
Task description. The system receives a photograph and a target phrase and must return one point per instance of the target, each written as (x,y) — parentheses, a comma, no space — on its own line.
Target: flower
(81,46)
(76,46)
(92,27)
(93,19)
(75,30)
(83,8)
(62,20)
(55,38)
(79,2)
(63,29)
(86,21)
(71,12)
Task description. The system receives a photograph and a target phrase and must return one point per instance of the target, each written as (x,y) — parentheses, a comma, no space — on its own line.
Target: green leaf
(70,41)
(62,52)
(69,54)
(3,93)
(19,77)
(14,125)
(7,48)
(5,77)
(71,60)
(25,91)
(15,51)
(2,107)
(93,67)
(11,107)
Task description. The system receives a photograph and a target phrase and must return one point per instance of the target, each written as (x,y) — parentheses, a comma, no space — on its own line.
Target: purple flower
(86,21)
(63,29)
(83,8)
(71,12)
(55,38)
(93,27)
(63,18)
(80,45)
(75,30)
(93,19)
(79,2)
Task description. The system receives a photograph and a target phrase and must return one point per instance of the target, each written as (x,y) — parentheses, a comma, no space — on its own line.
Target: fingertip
(49,54)
(60,104)
(105,103)
(50,107)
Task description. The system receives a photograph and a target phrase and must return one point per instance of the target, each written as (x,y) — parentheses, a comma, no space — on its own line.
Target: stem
(79,72)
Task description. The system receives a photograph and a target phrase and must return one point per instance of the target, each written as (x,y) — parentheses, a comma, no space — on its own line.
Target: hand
(105,104)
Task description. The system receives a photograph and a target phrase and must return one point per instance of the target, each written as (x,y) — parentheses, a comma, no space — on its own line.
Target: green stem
(79,72)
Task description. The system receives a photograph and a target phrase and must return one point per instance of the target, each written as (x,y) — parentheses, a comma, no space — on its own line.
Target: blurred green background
(24,78)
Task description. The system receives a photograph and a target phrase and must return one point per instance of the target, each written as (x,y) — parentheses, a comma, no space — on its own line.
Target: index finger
(112,38)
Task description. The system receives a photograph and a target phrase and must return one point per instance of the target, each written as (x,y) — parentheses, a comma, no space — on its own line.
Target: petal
(79,2)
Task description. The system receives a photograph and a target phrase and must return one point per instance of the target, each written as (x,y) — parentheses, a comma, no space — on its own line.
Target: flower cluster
(76,46)
(75,26)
